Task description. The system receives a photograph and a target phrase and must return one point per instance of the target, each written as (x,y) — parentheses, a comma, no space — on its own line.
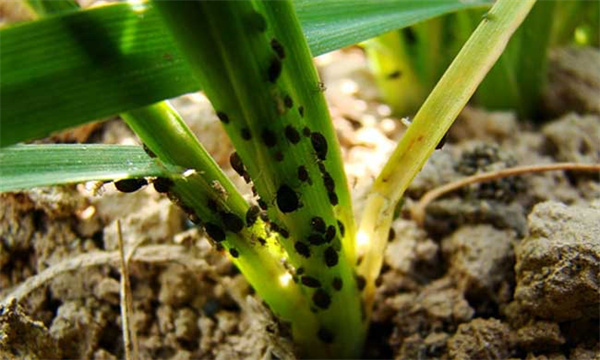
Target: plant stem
(255,67)
(430,124)
(168,137)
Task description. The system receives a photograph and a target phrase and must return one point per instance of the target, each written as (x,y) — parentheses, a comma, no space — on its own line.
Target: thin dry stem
(129,334)
(417,212)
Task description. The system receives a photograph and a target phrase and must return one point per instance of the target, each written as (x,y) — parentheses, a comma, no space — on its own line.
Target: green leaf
(333,24)
(26,166)
(70,69)
(62,71)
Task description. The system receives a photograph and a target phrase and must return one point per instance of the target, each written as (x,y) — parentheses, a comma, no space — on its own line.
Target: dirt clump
(574,80)
(480,339)
(480,259)
(23,338)
(558,264)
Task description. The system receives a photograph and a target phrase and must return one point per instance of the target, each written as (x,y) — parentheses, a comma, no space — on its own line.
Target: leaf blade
(335,24)
(49,81)
(26,166)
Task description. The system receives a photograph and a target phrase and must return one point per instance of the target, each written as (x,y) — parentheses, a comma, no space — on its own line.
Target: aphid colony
(286,198)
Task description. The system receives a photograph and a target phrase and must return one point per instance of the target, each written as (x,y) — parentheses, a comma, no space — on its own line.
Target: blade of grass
(26,166)
(517,80)
(78,67)
(437,114)
(65,70)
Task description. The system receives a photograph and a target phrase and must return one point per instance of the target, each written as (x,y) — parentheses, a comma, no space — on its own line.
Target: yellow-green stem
(430,124)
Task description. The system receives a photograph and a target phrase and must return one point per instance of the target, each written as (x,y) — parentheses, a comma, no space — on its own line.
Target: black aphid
(162,185)
(379,281)
(234,253)
(361,282)
(306,131)
(246,177)
(328,182)
(292,134)
(194,218)
(264,217)
(322,168)
(283,232)
(212,205)
(302,173)
(316,239)
(130,185)
(246,134)
(333,199)
(268,137)
(274,227)
(223,117)
(337,283)
(391,234)
(341,227)
(330,234)
(215,232)
(232,222)
(321,298)
(409,35)
(279,156)
(325,335)
(394,75)
(288,102)
(148,151)
(442,142)
(302,249)
(262,241)
(319,144)
(301,110)
(186,209)
(278,48)
(300,271)
(274,70)
(237,164)
(252,215)
(331,257)
(310,281)
(318,225)
(287,199)
(262,204)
